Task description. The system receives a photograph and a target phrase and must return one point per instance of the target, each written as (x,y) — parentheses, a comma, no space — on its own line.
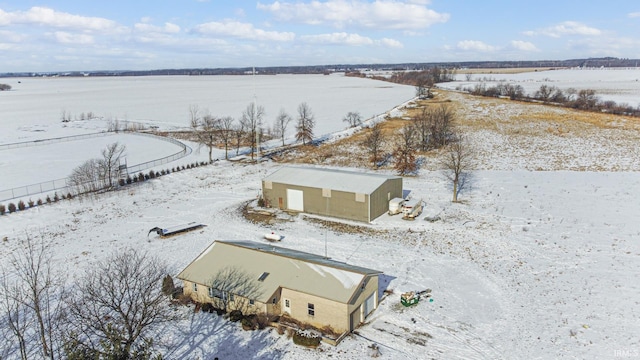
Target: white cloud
(340,38)
(64,37)
(565,28)
(48,17)
(379,14)
(242,30)
(523,45)
(634,14)
(168,28)
(475,45)
(391,43)
(12,37)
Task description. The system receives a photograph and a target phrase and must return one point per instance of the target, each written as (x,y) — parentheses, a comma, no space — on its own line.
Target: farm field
(540,259)
(619,85)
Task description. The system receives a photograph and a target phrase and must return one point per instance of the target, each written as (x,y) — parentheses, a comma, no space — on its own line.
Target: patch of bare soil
(341,227)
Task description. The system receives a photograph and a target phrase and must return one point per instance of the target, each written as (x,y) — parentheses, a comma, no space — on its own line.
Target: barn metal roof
(340,180)
(287,268)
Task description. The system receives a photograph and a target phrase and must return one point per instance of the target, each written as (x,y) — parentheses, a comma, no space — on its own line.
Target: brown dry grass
(507,134)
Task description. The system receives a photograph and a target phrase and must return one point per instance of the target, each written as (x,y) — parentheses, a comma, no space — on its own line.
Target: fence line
(64,184)
(53,140)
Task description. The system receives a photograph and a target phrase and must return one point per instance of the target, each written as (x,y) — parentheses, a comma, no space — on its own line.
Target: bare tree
(441,121)
(31,263)
(252,122)
(86,177)
(205,129)
(110,163)
(282,122)
(14,313)
(306,123)
(116,307)
(404,152)
(226,128)
(238,131)
(424,83)
(232,289)
(374,141)
(353,118)
(457,161)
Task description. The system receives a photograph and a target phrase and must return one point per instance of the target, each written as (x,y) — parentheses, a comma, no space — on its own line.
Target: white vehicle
(395,206)
(412,208)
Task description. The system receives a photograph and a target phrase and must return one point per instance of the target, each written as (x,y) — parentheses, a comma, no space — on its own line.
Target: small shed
(350,195)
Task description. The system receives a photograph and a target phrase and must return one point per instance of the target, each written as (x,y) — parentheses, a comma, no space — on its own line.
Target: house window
(231,297)
(252,302)
(274,301)
(195,287)
(287,304)
(311,309)
(326,193)
(212,292)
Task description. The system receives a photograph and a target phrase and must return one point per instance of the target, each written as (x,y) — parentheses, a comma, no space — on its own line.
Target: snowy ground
(527,260)
(619,85)
(531,264)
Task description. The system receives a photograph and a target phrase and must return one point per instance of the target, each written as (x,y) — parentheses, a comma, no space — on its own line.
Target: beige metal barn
(343,194)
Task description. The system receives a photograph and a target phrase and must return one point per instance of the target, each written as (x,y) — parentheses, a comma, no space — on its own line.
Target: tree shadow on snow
(207,336)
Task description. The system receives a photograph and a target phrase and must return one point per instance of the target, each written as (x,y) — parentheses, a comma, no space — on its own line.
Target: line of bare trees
(98,174)
(110,311)
(433,128)
(585,99)
(249,129)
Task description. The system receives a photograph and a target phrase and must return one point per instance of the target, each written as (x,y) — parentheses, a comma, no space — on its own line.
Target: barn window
(359,197)
(311,309)
(268,184)
(326,193)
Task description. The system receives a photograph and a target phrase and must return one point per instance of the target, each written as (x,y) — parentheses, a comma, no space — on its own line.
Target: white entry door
(295,200)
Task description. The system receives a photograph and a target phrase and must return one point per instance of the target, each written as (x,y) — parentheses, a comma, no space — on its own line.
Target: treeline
(585,99)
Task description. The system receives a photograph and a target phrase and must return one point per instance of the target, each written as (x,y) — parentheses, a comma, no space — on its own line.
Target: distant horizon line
(596,62)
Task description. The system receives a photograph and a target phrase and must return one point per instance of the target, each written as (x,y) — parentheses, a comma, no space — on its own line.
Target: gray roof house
(307,287)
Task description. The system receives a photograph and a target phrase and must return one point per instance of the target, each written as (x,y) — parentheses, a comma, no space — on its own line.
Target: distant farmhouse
(338,193)
(309,288)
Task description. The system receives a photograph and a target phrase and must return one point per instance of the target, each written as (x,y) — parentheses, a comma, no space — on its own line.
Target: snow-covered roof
(340,180)
(291,269)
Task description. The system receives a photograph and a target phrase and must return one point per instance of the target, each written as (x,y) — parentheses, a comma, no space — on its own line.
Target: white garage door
(295,200)
(369,304)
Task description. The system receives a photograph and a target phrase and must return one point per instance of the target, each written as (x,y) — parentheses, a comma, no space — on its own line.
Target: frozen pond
(619,85)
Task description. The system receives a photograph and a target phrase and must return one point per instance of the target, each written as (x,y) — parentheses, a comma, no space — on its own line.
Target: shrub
(31,203)
(146,177)
(157,174)
(163,172)
(235,315)
(69,196)
(39,202)
(21,205)
(306,339)
(167,285)
(152,174)
(182,167)
(140,177)
(129,180)
(262,320)
(207,307)
(48,199)
(135,179)
(184,299)
(173,169)
(12,207)
(261,202)
(280,329)
(3,209)
(121,182)
(56,197)
(188,166)
(249,322)
(64,197)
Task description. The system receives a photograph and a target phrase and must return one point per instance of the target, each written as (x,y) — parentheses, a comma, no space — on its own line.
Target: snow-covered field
(619,85)
(531,264)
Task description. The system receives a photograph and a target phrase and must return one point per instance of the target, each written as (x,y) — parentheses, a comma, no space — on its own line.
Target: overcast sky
(60,35)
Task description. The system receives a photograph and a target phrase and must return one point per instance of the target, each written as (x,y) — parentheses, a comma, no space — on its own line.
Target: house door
(280,204)
(295,200)
(287,306)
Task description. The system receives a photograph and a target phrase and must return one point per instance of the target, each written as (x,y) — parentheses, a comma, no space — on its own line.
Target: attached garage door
(369,304)
(295,200)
